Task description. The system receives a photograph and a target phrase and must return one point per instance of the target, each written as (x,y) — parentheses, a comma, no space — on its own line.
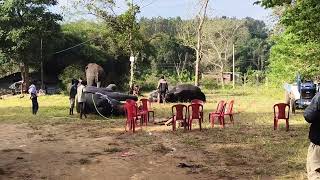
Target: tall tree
(22,24)
(296,49)
(219,36)
(201,18)
(253,53)
(125,26)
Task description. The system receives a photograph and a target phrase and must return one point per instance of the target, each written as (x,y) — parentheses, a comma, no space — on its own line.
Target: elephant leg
(97,81)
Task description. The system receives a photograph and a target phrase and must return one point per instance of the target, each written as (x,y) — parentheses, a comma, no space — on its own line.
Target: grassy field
(250,149)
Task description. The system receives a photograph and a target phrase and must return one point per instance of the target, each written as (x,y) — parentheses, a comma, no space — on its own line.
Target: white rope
(72,47)
(105,96)
(97,108)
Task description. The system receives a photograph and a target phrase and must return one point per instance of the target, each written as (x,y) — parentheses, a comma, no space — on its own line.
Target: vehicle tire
(293,106)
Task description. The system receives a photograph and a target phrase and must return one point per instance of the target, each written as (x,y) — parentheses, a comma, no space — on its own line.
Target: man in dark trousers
(72,95)
(81,98)
(312,116)
(34,98)
(162,89)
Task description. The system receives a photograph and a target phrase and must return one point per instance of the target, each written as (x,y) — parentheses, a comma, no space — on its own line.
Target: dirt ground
(90,151)
(86,151)
(55,146)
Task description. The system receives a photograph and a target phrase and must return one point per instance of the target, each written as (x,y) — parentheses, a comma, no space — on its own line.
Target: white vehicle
(299,95)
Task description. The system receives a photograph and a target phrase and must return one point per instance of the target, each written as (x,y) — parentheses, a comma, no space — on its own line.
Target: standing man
(81,98)
(162,89)
(136,90)
(312,116)
(34,98)
(72,95)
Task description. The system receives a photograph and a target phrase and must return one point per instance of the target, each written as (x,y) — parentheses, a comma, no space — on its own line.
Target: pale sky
(187,8)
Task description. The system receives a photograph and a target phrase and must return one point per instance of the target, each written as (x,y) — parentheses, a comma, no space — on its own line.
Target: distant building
(227,76)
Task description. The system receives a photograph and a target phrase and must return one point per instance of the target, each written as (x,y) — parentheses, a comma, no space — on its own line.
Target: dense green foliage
(254,53)
(23,24)
(161,46)
(296,50)
(273,3)
(96,45)
(71,72)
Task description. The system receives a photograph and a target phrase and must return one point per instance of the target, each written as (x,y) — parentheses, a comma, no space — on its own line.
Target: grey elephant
(94,74)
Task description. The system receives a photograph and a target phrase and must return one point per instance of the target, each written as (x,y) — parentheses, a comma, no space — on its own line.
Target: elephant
(104,101)
(94,74)
(111,94)
(185,93)
(181,93)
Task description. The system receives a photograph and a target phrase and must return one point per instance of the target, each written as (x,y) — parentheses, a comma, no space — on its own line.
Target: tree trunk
(24,68)
(196,79)
(221,76)
(199,37)
(222,79)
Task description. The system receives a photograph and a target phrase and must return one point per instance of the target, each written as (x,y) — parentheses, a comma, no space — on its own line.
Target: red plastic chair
(195,111)
(218,114)
(131,101)
(229,111)
(146,106)
(140,111)
(179,113)
(198,101)
(131,111)
(280,113)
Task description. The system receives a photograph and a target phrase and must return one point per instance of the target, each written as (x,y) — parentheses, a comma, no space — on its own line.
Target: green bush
(74,71)
(254,77)
(148,83)
(209,83)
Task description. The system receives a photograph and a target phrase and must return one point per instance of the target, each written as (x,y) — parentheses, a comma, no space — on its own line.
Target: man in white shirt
(34,98)
(81,98)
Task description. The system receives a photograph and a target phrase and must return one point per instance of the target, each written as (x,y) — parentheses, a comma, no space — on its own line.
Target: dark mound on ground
(105,101)
(185,93)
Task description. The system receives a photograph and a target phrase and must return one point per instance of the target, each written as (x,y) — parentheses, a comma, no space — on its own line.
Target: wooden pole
(233,68)
(131,50)
(41,59)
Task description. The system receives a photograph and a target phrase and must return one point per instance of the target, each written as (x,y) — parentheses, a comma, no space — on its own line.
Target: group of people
(77,90)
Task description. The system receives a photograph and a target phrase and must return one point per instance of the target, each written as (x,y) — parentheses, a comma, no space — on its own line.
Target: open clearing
(52,145)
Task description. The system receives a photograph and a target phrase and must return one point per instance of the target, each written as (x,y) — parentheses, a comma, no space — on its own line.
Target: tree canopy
(296,49)
(161,45)
(23,24)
